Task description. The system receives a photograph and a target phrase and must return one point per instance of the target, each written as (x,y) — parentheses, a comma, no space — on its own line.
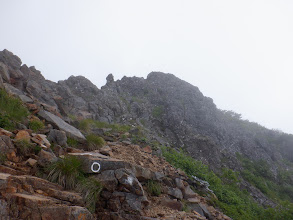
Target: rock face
(27,197)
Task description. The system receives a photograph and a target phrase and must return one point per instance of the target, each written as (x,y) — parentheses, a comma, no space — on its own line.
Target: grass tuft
(66,172)
(153,188)
(72,142)
(94,142)
(90,189)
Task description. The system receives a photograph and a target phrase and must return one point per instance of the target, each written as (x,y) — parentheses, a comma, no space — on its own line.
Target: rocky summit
(153,148)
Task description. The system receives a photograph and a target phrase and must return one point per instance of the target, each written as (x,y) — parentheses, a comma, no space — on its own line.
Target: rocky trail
(124,172)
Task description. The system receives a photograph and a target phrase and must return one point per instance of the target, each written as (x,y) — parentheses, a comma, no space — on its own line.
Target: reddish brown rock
(5,132)
(46,157)
(147,149)
(22,135)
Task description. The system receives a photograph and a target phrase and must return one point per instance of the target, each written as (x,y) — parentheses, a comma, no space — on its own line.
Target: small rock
(106,150)
(179,183)
(147,149)
(205,211)
(41,139)
(31,162)
(173,204)
(22,135)
(5,132)
(175,192)
(193,200)
(158,176)
(46,158)
(142,174)
(188,193)
(126,142)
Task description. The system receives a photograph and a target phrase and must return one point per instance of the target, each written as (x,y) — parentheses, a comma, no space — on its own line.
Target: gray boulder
(127,179)
(58,137)
(62,125)
(108,180)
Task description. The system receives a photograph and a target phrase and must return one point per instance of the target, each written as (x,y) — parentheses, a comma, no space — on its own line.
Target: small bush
(25,147)
(85,124)
(36,125)
(90,188)
(66,172)
(94,142)
(72,142)
(5,122)
(153,188)
(11,109)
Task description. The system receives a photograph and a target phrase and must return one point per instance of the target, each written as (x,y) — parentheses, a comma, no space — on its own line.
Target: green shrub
(5,122)
(90,188)
(66,172)
(94,142)
(36,125)
(85,124)
(11,109)
(25,147)
(72,142)
(153,188)
(233,201)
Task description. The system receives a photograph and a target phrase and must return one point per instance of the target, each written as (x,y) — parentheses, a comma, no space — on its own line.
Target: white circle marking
(92,167)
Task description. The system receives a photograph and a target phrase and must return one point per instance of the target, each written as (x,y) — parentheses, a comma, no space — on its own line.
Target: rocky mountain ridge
(170,112)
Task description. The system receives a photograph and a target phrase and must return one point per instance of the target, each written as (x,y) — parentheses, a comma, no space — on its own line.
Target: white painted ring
(92,167)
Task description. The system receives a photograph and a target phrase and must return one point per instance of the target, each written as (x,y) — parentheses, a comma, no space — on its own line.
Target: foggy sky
(240,53)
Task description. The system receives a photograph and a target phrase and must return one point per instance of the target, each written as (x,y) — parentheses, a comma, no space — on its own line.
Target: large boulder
(127,180)
(62,125)
(94,162)
(58,137)
(108,179)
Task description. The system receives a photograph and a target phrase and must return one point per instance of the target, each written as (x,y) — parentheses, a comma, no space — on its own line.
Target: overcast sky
(240,53)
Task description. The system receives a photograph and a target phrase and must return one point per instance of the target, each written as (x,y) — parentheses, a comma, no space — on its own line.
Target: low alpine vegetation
(90,188)
(234,202)
(153,188)
(36,125)
(11,111)
(25,147)
(94,142)
(66,172)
